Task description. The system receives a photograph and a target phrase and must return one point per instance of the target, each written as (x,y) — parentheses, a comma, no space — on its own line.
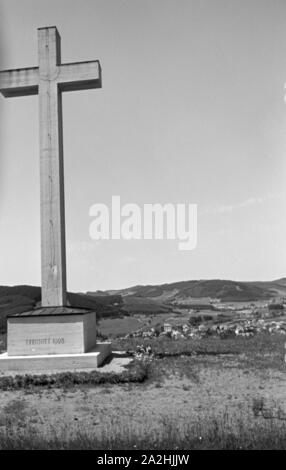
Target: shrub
(194,321)
(276,306)
(137,372)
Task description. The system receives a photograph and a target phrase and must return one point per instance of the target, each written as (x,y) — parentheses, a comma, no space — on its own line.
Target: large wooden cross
(49,80)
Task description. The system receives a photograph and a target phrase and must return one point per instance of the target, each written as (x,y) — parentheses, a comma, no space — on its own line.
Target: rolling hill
(146,299)
(17,299)
(224,290)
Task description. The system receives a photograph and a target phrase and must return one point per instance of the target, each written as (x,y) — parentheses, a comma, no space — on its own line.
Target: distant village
(268,317)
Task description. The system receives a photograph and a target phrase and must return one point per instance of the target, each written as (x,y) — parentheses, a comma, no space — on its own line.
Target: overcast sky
(192,110)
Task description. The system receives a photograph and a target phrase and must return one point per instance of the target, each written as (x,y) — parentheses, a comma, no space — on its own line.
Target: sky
(191,110)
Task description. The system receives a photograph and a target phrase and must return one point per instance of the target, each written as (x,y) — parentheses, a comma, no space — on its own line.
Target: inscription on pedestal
(32,342)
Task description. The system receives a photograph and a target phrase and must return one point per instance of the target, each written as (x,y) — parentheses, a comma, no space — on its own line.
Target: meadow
(210,393)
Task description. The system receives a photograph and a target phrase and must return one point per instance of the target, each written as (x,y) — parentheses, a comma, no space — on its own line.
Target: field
(208,393)
(118,326)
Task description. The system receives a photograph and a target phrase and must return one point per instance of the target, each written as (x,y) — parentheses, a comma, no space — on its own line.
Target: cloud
(253,201)
(128,259)
(224,231)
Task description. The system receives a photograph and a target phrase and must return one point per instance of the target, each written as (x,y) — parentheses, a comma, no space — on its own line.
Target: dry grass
(263,350)
(206,394)
(217,433)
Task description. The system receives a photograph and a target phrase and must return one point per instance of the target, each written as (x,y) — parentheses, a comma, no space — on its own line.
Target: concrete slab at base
(56,362)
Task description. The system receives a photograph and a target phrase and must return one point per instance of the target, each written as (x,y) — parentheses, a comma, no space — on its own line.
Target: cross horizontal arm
(79,76)
(19,82)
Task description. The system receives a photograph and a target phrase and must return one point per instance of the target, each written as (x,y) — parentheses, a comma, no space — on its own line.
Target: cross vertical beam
(53,253)
(49,80)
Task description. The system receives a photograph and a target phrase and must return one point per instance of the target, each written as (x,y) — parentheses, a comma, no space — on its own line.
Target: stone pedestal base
(55,362)
(52,339)
(51,330)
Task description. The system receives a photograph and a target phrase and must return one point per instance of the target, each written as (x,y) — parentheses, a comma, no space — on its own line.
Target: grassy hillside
(133,304)
(277,287)
(225,290)
(18,299)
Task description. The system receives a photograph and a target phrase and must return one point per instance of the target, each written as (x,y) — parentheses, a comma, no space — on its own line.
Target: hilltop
(222,290)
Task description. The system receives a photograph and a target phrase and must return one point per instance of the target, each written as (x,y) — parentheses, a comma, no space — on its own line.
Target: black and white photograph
(142,228)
